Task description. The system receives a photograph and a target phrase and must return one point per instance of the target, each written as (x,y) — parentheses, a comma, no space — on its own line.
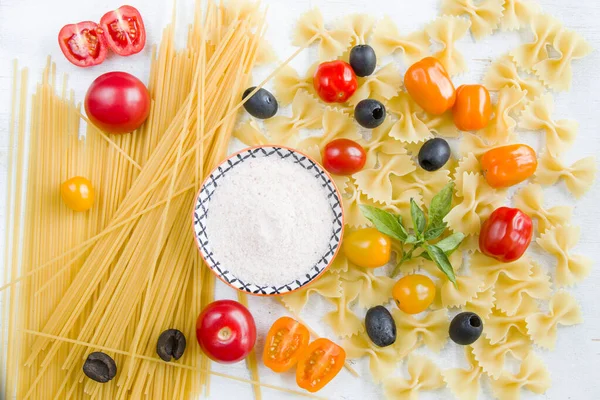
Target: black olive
(100,367)
(171,344)
(434,154)
(262,104)
(363,60)
(466,328)
(369,113)
(381,327)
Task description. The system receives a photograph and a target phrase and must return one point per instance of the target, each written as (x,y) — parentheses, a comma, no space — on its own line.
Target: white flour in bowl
(269,221)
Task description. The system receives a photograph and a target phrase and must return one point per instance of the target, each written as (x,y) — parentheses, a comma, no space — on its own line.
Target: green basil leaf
(385,222)
(441,260)
(411,239)
(435,232)
(451,243)
(404,231)
(440,205)
(418,217)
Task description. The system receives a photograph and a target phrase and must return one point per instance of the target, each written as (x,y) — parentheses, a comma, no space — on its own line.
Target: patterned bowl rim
(273,290)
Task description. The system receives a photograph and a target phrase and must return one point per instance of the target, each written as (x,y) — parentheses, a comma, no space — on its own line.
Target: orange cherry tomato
(414,293)
(473,107)
(508,165)
(430,86)
(319,364)
(368,248)
(286,341)
(78,193)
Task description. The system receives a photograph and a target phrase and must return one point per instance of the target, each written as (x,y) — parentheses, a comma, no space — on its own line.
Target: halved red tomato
(286,341)
(124,30)
(319,364)
(83,43)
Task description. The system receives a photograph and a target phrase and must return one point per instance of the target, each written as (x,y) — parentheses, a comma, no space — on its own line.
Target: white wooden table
(28,30)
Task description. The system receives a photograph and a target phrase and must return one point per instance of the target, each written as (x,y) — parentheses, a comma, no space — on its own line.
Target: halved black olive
(171,344)
(100,367)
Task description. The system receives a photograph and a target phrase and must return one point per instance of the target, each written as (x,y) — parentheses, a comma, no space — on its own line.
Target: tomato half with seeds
(83,44)
(124,30)
(319,364)
(286,341)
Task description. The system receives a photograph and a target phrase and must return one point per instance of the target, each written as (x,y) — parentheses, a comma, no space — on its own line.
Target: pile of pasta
(510,297)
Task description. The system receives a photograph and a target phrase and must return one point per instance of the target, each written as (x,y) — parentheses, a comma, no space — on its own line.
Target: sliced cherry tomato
(414,293)
(506,234)
(78,193)
(344,157)
(124,30)
(473,107)
(83,43)
(429,85)
(367,248)
(508,165)
(286,341)
(117,102)
(226,331)
(319,364)
(335,81)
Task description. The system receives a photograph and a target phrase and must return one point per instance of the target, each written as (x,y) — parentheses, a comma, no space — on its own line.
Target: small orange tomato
(473,107)
(508,165)
(414,293)
(367,248)
(429,85)
(78,193)
(286,341)
(319,364)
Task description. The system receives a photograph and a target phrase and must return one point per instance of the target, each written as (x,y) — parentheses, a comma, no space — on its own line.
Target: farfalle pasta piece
(431,330)
(306,113)
(409,127)
(491,357)
(250,134)
(498,325)
(578,177)
(382,142)
(490,269)
(424,375)
(352,199)
(342,182)
(467,287)
(482,304)
(570,268)
(343,321)
(400,204)
(517,14)
(533,376)
(472,143)
(484,15)
(328,286)
(427,183)
(383,84)
(476,204)
(464,383)
(544,28)
(332,43)
(530,200)
(265,54)
(504,73)
(372,289)
(387,39)
(340,263)
(447,30)
(443,124)
(360,26)
(563,310)
(511,293)
(376,183)
(382,360)
(501,129)
(336,125)
(288,82)
(469,164)
(537,115)
(557,73)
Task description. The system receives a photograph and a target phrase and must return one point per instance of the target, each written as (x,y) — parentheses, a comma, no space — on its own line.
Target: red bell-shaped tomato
(506,234)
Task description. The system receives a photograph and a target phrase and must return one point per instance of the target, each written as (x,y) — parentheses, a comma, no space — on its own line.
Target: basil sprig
(424,230)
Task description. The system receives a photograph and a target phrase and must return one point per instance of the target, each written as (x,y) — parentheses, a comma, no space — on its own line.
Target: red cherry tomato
(117,102)
(506,234)
(226,331)
(344,157)
(335,81)
(124,30)
(83,43)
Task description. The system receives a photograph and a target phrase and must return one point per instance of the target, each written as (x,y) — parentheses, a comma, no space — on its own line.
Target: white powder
(269,221)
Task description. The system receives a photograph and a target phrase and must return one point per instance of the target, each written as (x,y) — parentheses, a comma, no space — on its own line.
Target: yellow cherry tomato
(78,193)
(414,293)
(368,248)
